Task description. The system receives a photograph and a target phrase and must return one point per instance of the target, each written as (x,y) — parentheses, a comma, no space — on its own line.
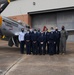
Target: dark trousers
(34,46)
(22,47)
(38,47)
(51,49)
(42,49)
(48,48)
(28,47)
(31,46)
(57,47)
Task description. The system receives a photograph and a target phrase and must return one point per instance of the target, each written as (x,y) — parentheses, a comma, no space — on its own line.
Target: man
(28,42)
(34,38)
(39,33)
(48,41)
(63,39)
(42,42)
(31,32)
(21,40)
(51,42)
(57,40)
(45,34)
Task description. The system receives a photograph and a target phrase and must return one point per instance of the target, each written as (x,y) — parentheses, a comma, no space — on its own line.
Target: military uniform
(48,41)
(63,38)
(45,34)
(39,34)
(57,40)
(42,42)
(31,32)
(51,43)
(34,38)
(28,43)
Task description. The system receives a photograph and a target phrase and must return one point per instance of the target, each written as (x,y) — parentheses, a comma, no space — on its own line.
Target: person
(31,32)
(45,34)
(34,38)
(28,42)
(63,39)
(51,42)
(21,40)
(42,40)
(48,41)
(39,33)
(57,40)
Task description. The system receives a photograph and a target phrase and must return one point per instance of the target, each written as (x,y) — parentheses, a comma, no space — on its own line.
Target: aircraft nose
(0,21)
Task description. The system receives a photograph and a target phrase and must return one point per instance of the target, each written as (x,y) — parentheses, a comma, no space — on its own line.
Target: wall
(24,18)
(21,7)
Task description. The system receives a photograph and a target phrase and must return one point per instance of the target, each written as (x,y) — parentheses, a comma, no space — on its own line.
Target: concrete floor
(14,63)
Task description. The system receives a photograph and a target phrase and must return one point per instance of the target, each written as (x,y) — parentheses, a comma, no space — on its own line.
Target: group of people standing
(43,42)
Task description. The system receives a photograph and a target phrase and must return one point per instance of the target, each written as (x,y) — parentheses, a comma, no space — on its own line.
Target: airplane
(9,29)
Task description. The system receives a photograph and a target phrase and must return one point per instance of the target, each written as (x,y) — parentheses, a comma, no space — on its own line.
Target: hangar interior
(58,18)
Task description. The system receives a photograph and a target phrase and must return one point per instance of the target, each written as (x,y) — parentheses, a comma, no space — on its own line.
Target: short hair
(34,29)
(63,26)
(22,29)
(51,28)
